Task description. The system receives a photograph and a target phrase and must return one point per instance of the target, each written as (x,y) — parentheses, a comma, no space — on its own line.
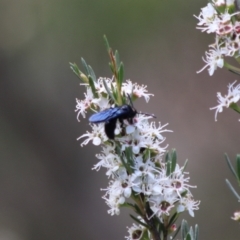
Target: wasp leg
(110,128)
(121,122)
(130,120)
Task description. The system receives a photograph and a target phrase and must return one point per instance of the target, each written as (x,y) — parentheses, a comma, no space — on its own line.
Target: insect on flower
(111,115)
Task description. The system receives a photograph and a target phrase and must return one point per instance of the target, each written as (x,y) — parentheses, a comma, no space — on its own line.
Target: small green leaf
(184,193)
(174,154)
(91,83)
(85,66)
(146,154)
(174,161)
(188,237)
(185,165)
(120,74)
(118,151)
(117,59)
(184,228)
(125,164)
(115,94)
(173,219)
(168,168)
(196,232)
(75,69)
(191,233)
(92,73)
(231,166)
(136,207)
(106,43)
(126,204)
(129,155)
(145,235)
(235,107)
(108,91)
(167,157)
(138,221)
(238,166)
(232,189)
(230,70)
(111,67)
(80,74)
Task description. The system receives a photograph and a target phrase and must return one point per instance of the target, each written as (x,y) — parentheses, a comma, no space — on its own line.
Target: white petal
(191,213)
(96,141)
(220,62)
(130,129)
(180,208)
(127,192)
(121,200)
(136,149)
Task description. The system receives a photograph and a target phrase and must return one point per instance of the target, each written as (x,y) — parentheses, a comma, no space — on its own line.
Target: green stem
(237,59)
(235,107)
(146,213)
(113,61)
(230,67)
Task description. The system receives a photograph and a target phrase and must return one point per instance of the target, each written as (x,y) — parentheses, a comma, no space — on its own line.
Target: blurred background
(47,188)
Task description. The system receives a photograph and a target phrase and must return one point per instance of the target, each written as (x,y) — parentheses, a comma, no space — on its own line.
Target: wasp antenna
(148,114)
(130,100)
(131,103)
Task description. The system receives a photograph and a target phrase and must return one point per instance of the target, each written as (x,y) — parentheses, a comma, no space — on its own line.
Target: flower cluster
(236,216)
(136,232)
(228,100)
(221,18)
(134,158)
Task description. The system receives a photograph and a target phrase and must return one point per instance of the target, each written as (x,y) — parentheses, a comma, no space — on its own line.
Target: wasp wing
(105,115)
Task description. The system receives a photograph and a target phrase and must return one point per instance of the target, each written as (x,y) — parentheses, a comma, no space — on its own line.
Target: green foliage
(188,233)
(236,172)
(171,161)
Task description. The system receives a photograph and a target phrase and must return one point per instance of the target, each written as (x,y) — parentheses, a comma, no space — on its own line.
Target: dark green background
(47,188)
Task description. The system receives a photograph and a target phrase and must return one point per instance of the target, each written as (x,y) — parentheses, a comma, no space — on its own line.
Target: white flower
(118,190)
(97,136)
(136,231)
(143,176)
(134,140)
(187,203)
(232,45)
(121,187)
(233,96)
(133,88)
(99,85)
(214,59)
(156,132)
(102,103)
(133,160)
(225,25)
(225,29)
(81,108)
(144,135)
(236,216)
(162,204)
(114,202)
(208,19)
(83,105)
(162,183)
(179,182)
(109,160)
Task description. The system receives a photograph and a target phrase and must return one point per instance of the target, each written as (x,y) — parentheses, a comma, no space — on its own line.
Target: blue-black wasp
(111,115)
